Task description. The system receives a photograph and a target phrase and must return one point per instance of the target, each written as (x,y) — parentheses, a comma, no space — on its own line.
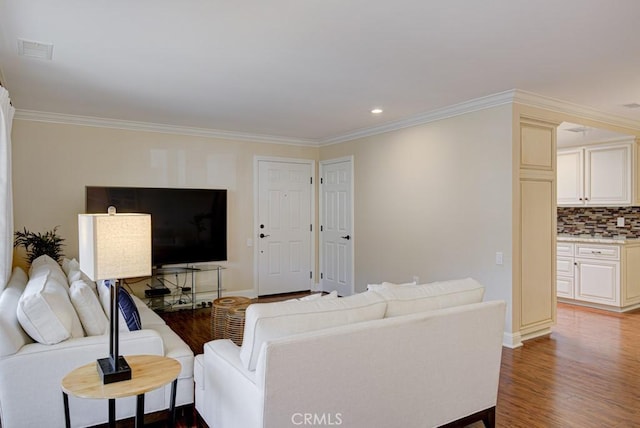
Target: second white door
(336,228)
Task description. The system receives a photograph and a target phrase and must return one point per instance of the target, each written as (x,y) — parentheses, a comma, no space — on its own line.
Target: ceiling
(311,70)
(573,134)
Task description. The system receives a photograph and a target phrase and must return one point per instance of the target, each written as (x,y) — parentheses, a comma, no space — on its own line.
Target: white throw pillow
(45,310)
(332,295)
(409,299)
(12,336)
(269,321)
(46,263)
(76,274)
(89,309)
(68,264)
(375,287)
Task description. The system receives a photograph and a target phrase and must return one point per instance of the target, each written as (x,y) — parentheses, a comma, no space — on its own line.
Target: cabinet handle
(579,199)
(586,199)
(596,252)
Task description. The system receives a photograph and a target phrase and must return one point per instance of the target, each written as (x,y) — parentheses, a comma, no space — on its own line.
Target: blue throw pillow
(129,310)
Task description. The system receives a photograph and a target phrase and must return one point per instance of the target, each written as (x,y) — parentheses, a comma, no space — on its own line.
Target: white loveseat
(30,372)
(394,356)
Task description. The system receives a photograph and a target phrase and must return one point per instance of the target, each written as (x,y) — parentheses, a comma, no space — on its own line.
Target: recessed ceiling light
(376,111)
(35,49)
(631,105)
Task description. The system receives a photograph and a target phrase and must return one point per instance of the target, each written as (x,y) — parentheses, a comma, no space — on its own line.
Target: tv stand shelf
(158,292)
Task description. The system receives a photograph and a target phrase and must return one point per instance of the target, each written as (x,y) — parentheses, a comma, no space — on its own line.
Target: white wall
(434,201)
(52,164)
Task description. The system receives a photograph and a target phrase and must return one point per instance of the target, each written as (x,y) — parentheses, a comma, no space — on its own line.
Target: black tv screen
(188,225)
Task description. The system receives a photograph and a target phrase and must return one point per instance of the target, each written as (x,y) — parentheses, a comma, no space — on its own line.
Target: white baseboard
(514,340)
(511,340)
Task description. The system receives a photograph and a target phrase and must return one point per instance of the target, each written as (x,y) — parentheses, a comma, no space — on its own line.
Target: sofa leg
(489,418)
(200,423)
(189,412)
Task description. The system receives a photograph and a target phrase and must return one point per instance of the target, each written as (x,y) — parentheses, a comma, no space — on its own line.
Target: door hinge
(311,179)
(310,228)
(321,228)
(310,274)
(321,180)
(321,275)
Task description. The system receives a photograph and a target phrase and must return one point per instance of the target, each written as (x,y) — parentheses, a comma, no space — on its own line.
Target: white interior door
(284,226)
(336,226)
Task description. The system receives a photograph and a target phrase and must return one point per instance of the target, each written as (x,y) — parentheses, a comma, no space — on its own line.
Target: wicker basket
(219,310)
(234,326)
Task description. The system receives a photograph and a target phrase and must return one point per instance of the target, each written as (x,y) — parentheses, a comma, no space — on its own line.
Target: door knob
(262,235)
(346,237)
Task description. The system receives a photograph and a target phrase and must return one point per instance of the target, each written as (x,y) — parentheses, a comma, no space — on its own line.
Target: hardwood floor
(585,374)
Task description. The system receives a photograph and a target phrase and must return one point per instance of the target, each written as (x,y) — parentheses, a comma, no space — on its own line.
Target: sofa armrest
(228,386)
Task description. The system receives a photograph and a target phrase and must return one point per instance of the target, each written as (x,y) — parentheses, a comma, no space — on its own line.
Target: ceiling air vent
(631,105)
(33,49)
(582,129)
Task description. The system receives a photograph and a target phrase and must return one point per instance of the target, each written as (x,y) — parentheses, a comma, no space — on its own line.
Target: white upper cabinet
(596,175)
(571,177)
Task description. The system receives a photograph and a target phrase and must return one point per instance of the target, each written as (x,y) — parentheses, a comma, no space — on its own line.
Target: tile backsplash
(599,221)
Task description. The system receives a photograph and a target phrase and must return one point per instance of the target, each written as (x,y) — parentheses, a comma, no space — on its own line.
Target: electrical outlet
(620,221)
(499,258)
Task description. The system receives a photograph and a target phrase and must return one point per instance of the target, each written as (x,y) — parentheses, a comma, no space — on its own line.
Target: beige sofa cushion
(88,308)
(12,336)
(45,263)
(45,311)
(409,299)
(268,321)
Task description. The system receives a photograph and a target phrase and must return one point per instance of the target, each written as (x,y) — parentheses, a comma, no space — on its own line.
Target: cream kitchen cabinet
(598,274)
(596,175)
(565,284)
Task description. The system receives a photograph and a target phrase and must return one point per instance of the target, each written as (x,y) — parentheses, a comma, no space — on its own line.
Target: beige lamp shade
(114,246)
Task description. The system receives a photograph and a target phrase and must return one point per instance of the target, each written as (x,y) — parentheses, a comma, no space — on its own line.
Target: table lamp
(114,246)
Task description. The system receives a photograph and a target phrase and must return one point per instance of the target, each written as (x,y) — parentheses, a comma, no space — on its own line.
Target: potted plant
(37,244)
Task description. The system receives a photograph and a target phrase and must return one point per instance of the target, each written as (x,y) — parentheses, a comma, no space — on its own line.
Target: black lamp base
(110,374)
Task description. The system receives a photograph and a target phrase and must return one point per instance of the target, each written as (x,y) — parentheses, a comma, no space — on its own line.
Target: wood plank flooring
(585,374)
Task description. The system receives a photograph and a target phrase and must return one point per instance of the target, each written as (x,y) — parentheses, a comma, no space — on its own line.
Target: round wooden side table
(148,372)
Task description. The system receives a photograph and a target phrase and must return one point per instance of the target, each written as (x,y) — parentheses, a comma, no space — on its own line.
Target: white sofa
(394,356)
(30,372)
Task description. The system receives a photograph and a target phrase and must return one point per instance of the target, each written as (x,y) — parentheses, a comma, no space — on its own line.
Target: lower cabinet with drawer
(600,275)
(565,283)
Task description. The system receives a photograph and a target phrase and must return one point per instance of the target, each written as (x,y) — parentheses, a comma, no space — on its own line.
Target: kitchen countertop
(597,239)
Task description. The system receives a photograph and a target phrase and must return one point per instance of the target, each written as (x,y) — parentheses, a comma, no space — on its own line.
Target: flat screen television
(187,225)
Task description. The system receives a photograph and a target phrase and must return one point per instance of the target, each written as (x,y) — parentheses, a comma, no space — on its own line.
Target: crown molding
(565,107)
(67,119)
(476,104)
(501,98)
